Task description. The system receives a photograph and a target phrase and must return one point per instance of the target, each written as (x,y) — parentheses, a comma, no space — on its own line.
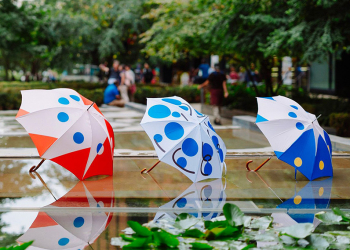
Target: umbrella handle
(34,168)
(145,171)
(255,170)
(42,182)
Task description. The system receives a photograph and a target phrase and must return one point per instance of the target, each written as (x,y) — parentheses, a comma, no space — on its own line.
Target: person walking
(123,88)
(147,74)
(218,90)
(233,76)
(130,81)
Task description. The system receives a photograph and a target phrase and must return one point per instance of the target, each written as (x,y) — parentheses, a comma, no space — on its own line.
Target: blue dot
(172,101)
(63,101)
(78,222)
(292,114)
(75,97)
(159,111)
(299,126)
(182,162)
(215,141)
(210,126)
(62,117)
(99,146)
(184,107)
(214,215)
(208,190)
(207,152)
(63,241)
(294,107)
(98,205)
(174,131)
(208,169)
(176,114)
(182,202)
(221,154)
(78,138)
(190,147)
(158,138)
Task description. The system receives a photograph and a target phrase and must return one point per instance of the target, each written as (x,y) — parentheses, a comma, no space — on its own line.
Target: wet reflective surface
(109,202)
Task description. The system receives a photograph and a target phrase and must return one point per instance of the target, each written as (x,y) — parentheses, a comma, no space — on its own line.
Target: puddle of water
(140,140)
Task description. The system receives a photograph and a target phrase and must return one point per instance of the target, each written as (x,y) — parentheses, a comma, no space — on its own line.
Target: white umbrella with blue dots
(184,138)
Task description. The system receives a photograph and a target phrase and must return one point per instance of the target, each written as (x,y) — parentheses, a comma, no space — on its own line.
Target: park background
(74,37)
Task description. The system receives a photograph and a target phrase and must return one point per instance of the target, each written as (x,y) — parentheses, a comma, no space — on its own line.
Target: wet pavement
(99,208)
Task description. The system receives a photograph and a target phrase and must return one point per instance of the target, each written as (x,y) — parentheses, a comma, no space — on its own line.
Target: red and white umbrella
(73,229)
(68,129)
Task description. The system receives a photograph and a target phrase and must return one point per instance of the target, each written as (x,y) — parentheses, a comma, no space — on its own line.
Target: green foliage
(235,233)
(341,122)
(21,247)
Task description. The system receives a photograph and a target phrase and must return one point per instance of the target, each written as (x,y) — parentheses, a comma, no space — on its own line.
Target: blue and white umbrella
(184,138)
(296,136)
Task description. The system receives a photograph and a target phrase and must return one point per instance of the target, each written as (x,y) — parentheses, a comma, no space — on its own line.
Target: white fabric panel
(34,100)
(281,134)
(50,122)
(272,110)
(98,136)
(66,143)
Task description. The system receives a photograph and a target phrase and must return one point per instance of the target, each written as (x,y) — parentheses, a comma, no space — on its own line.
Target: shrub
(341,122)
(189,93)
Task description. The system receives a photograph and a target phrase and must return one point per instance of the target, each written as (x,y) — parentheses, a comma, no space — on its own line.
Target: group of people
(121,82)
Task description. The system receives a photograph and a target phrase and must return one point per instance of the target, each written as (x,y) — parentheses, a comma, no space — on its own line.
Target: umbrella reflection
(61,226)
(315,195)
(201,199)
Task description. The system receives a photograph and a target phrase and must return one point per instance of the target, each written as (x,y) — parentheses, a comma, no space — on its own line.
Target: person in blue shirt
(204,67)
(111,96)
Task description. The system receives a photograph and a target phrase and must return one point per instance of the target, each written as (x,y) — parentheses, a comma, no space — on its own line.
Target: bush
(341,122)
(189,93)
(10,92)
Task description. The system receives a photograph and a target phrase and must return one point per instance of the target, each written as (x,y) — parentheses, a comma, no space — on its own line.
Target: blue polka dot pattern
(63,101)
(182,162)
(215,141)
(62,117)
(181,203)
(299,126)
(158,138)
(207,152)
(292,114)
(190,147)
(75,98)
(78,138)
(221,154)
(210,126)
(63,241)
(174,131)
(208,190)
(78,222)
(208,169)
(184,107)
(172,101)
(176,114)
(159,111)
(99,146)
(294,107)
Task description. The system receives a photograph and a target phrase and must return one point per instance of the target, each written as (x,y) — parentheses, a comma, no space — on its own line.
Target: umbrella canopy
(315,195)
(73,229)
(184,138)
(295,136)
(200,195)
(68,129)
